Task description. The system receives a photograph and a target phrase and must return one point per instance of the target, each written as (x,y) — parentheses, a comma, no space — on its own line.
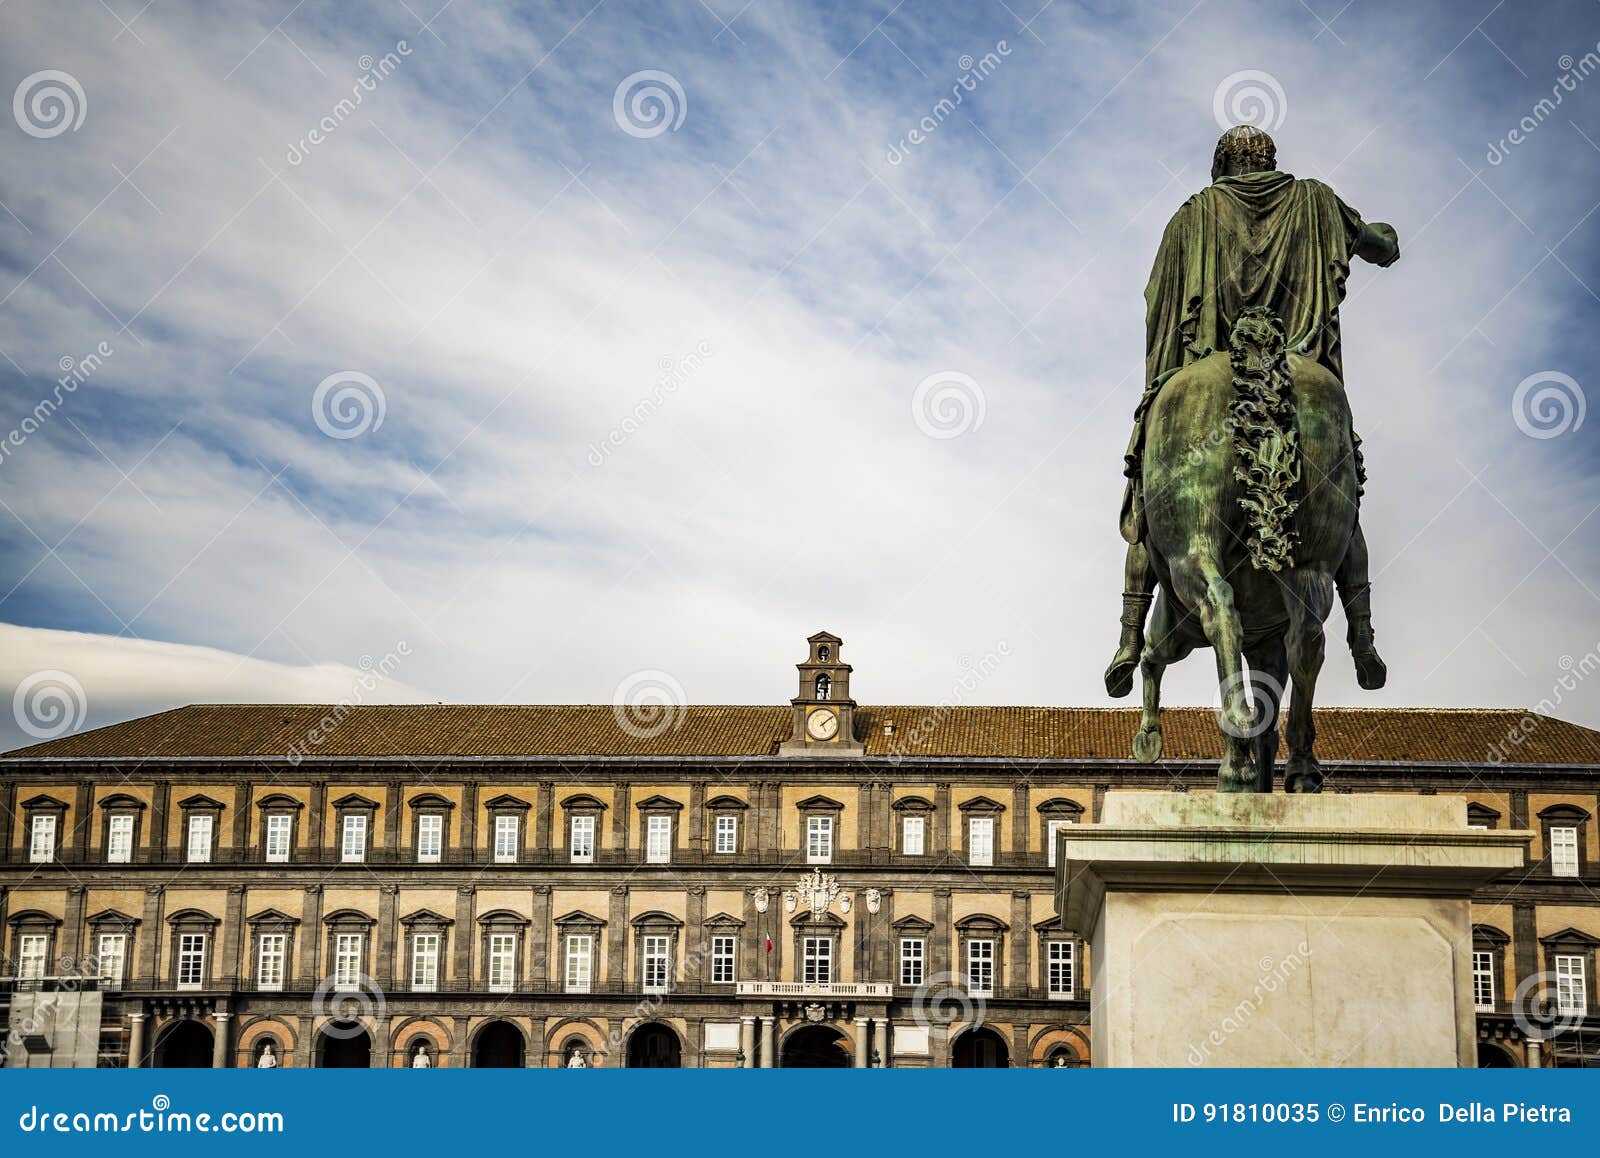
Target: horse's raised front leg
(1269,672)
(1200,584)
(1163,647)
(1309,597)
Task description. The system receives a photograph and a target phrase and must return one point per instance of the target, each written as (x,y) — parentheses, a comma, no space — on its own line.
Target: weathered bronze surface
(1245,473)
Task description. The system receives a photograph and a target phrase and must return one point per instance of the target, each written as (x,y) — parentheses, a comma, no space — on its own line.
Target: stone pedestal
(1275,930)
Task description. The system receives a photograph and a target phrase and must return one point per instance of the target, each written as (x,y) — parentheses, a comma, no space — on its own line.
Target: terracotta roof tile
(271,731)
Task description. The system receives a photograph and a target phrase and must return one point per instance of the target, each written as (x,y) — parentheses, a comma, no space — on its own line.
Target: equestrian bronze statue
(1244,470)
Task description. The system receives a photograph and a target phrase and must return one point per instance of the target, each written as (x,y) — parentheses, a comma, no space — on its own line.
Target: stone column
(939,949)
(72,929)
(769,1031)
(697,820)
(82,823)
(220,1040)
(8,793)
(619,823)
(466,932)
(862,1026)
(135,1040)
(469,823)
(233,933)
(310,936)
(241,822)
(387,934)
(880,1039)
(1021,820)
(695,945)
(1532,1050)
(150,933)
(391,824)
(318,820)
(158,821)
(941,821)
(546,819)
(382,1042)
(539,939)
(1021,963)
(617,936)
(747,1042)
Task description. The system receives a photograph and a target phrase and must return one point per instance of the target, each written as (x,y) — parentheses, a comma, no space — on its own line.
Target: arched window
(824,687)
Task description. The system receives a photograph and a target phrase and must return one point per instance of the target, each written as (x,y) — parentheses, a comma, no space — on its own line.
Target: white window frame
(33,956)
(724,959)
(913,960)
(430,837)
(201,838)
(816,960)
(980,840)
(914,835)
(980,967)
(578,963)
(501,965)
(655,953)
(42,838)
(119,838)
(347,954)
(111,956)
(280,827)
(1563,850)
(272,959)
(583,839)
(819,840)
(1061,969)
(1483,979)
(192,960)
(425,952)
(727,838)
(1572,991)
(658,838)
(507,837)
(353,838)
(1052,827)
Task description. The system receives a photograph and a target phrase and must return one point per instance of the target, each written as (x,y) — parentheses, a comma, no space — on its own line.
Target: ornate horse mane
(1261,419)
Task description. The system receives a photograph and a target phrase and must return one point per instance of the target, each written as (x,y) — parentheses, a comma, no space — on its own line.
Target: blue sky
(732,312)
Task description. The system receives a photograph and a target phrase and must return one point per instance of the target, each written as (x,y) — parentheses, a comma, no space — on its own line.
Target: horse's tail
(1261,419)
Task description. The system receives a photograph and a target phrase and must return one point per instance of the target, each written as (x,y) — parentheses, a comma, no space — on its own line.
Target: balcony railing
(871,990)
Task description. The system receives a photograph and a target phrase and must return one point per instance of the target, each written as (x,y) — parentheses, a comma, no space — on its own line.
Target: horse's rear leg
(1163,647)
(1269,673)
(1199,584)
(1309,597)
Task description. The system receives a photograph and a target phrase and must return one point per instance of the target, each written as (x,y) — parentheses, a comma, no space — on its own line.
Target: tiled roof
(1462,735)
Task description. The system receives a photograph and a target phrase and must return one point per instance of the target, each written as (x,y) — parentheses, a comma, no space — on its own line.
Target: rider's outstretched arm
(1378,243)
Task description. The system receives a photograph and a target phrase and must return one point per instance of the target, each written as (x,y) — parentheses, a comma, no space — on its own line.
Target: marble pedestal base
(1275,930)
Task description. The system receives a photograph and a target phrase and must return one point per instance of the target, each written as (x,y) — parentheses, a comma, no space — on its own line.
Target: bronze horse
(1251,495)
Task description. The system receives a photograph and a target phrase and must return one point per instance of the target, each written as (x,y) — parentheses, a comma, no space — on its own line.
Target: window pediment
(1060,806)
(505,802)
(579,918)
(1570,936)
(1488,934)
(658,804)
(809,920)
(112,917)
(201,801)
(723,921)
(425,917)
(912,924)
(981,804)
(44,804)
(272,917)
(726,804)
(1569,813)
(585,801)
(503,917)
(36,918)
(657,918)
(193,917)
(349,917)
(820,803)
(354,800)
(279,802)
(431,800)
(122,802)
(913,804)
(982,923)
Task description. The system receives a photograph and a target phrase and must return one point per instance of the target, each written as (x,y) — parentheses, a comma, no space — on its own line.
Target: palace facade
(819,883)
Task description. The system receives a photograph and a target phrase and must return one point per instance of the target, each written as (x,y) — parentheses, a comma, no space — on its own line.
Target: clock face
(821,724)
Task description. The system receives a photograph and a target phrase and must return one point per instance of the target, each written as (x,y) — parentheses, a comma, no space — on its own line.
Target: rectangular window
(819,839)
(817,960)
(112,950)
(727,834)
(657,963)
(353,838)
(32,950)
(913,835)
(580,962)
(430,838)
(506,831)
(1564,851)
(42,848)
(502,962)
(1061,967)
(658,839)
(583,840)
(271,950)
(1050,830)
(119,839)
(1482,979)
(723,951)
(279,825)
(201,826)
(424,962)
(347,960)
(980,840)
(913,959)
(191,960)
(1572,995)
(980,968)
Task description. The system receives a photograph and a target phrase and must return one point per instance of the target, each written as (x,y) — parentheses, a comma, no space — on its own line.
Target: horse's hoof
(1119,676)
(1371,672)
(1147,745)
(1302,775)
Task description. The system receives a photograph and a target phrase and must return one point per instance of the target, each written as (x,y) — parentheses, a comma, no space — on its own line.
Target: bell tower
(824,713)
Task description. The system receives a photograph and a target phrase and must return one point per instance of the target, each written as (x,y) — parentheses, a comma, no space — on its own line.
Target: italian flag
(769,942)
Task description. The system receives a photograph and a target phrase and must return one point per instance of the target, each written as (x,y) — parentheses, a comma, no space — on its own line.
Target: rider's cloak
(1258,239)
